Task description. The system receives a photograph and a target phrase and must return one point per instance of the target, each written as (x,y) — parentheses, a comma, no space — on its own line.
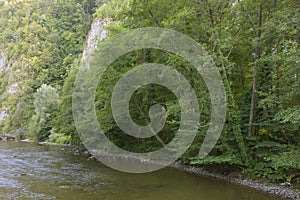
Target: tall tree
(256,67)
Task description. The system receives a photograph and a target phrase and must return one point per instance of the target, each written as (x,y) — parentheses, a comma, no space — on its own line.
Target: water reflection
(30,171)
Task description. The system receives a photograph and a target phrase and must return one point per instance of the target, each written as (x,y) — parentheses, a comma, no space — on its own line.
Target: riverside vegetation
(254,43)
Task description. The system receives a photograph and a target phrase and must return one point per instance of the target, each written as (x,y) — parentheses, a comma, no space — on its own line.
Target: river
(32,171)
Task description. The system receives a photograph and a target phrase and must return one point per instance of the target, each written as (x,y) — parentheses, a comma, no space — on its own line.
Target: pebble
(92,158)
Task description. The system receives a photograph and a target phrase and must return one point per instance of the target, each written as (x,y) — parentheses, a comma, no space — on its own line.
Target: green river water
(31,171)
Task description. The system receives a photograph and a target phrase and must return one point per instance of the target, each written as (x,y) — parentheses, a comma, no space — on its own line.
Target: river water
(31,171)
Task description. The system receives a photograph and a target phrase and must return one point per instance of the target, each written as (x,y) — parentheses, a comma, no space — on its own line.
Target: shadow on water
(31,171)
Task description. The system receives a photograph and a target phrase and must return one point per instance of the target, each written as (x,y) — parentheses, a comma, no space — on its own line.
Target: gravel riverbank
(283,191)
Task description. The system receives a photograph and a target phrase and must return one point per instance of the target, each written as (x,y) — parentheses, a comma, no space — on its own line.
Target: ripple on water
(30,171)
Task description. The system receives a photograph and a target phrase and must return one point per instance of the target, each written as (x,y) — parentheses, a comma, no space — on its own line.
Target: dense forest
(254,44)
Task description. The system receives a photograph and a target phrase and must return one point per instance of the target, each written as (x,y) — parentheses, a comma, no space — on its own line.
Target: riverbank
(68,175)
(283,191)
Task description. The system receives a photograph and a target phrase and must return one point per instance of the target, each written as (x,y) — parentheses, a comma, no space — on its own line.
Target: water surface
(31,171)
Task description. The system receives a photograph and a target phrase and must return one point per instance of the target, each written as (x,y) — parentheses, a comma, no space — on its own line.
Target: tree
(46,105)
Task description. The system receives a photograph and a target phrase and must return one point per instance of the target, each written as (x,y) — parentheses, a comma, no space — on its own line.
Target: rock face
(2,60)
(98,32)
(2,114)
(2,70)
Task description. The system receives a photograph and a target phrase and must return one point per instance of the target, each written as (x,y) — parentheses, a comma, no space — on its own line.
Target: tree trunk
(234,118)
(256,68)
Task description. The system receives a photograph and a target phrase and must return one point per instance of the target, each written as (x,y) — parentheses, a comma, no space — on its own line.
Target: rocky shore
(285,190)
(5,138)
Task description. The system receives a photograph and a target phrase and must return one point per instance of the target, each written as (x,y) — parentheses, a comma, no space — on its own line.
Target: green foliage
(231,40)
(40,41)
(140,103)
(45,103)
(44,41)
(224,159)
(279,166)
(289,116)
(226,152)
(59,138)
(112,8)
(45,98)
(63,123)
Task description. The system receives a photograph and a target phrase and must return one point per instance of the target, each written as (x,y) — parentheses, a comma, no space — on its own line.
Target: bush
(279,167)
(59,138)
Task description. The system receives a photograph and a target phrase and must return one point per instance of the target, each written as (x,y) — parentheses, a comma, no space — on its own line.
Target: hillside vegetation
(254,44)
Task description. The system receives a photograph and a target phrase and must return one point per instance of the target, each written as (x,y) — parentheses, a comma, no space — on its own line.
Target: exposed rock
(86,153)
(65,187)
(2,60)
(27,140)
(98,32)
(92,158)
(286,184)
(2,70)
(7,138)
